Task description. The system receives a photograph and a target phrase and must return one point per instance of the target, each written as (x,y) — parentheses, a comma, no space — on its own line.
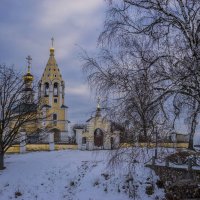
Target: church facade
(52,92)
(53,111)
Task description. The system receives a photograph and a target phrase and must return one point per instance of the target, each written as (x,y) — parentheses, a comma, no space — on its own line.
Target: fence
(22,147)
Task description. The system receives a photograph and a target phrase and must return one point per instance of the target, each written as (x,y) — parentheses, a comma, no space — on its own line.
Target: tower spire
(52,47)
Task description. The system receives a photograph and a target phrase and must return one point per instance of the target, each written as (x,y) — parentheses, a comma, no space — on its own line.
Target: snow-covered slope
(70,175)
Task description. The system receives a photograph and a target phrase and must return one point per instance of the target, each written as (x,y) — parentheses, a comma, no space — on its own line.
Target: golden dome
(51,50)
(28,77)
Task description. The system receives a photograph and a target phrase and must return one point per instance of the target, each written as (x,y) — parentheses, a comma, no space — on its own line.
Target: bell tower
(28,93)
(52,93)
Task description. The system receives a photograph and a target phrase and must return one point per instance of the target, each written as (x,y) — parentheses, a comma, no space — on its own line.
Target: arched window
(55,89)
(54,119)
(46,89)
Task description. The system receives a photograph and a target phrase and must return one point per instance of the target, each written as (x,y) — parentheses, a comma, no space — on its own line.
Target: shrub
(18,194)
(149,189)
(160,184)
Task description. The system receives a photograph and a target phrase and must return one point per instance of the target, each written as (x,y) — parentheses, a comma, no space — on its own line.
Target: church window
(54,69)
(46,89)
(55,89)
(55,100)
(49,69)
(55,119)
(84,140)
(55,75)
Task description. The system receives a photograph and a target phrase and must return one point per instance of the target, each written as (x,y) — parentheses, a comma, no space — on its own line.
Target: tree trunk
(2,161)
(191,135)
(190,146)
(193,125)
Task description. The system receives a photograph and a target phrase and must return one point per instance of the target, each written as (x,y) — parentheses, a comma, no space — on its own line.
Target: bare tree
(173,26)
(190,106)
(127,80)
(18,108)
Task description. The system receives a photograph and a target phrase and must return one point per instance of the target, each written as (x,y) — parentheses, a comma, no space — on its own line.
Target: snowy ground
(71,175)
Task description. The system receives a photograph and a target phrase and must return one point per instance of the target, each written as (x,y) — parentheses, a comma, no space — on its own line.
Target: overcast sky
(26,29)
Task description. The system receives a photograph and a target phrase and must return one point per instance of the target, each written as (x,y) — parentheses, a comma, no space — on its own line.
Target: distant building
(179,138)
(97,133)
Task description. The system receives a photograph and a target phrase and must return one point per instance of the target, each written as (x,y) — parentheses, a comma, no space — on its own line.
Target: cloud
(56,13)
(80,90)
(27,27)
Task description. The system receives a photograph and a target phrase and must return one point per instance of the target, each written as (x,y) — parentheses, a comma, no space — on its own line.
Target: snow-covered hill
(71,175)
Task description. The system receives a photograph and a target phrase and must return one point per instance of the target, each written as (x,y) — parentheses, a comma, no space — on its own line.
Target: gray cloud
(27,27)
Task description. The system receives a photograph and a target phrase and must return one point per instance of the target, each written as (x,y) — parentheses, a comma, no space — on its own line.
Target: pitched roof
(63,106)
(25,108)
(51,71)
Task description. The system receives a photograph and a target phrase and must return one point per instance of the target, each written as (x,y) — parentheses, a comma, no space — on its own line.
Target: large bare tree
(126,79)
(174,28)
(18,108)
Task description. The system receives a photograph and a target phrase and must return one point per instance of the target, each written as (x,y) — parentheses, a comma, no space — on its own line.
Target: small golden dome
(52,51)
(28,77)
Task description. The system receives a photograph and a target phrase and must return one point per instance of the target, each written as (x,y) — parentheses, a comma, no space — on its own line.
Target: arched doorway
(56,135)
(98,137)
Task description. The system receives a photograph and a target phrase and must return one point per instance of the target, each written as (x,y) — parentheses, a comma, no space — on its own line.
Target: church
(98,133)
(51,89)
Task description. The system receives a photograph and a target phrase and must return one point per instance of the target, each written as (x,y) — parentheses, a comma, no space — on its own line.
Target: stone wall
(178,183)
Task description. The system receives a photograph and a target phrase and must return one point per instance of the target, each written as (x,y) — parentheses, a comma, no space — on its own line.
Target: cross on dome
(52,42)
(29,59)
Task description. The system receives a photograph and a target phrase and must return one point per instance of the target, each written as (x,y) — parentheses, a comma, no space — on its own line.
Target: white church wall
(79,133)
(90,145)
